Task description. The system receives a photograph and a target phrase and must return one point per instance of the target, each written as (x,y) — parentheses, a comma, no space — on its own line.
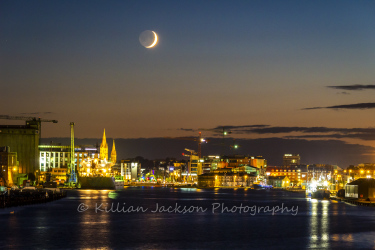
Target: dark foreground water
(222,218)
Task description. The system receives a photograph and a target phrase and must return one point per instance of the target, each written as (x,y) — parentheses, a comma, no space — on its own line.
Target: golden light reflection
(319,225)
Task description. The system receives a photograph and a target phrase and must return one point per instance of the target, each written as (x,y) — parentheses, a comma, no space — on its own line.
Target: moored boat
(321,194)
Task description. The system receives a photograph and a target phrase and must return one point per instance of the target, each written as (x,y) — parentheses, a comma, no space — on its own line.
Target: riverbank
(355,201)
(16,198)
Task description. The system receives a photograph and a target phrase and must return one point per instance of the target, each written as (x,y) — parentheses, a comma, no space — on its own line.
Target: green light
(235,146)
(225,132)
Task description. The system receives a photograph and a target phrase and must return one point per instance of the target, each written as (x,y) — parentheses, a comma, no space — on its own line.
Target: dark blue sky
(216,63)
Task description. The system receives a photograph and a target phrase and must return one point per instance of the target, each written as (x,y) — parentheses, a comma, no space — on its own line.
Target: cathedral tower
(104,148)
(113,153)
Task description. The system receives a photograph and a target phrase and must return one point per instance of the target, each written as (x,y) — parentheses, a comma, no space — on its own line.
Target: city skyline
(261,69)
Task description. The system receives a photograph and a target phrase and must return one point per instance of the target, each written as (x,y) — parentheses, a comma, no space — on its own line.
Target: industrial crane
(29,120)
(198,139)
(25,118)
(192,152)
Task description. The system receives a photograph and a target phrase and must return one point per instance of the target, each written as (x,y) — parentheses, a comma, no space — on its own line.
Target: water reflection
(91,221)
(319,224)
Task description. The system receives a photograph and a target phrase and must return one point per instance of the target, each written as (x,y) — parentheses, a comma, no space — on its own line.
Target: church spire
(104,148)
(113,153)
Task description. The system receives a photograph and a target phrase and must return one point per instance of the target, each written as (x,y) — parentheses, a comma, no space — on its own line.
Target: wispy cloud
(220,129)
(307,132)
(187,129)
(361,136)
(37,113)
(230,127)
(353,87)
(369,105)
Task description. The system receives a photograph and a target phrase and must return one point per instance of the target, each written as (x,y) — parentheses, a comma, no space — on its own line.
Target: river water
(188,218)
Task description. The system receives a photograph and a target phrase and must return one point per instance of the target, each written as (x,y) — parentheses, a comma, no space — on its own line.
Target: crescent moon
(155,40)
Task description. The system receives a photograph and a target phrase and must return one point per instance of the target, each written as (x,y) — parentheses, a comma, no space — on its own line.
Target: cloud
(229,127)
(308,132)
(353,87)
(361,136)
(187,129)
(276,130)
(368,105)
(37,113)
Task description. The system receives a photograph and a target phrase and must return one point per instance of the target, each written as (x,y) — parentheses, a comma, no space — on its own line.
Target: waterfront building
(194,168)
(363,170)
(225,177)
(89,164)
(53,156)
(9,167)
(362,188)
(316,174)
(58,175)
(130,169)
(176,171)
(297,175)
(235,161)
(291,160)
(83,153)
(24,140)
(279,181)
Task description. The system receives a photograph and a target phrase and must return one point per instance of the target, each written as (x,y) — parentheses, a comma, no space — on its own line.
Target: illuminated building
(82,153)
(195,165)
(225,177)
(297,175)
(9,166)
(130,169)
(23,139)
(362,188)
(291,159)
(104,148)
(279,181)
(51,156)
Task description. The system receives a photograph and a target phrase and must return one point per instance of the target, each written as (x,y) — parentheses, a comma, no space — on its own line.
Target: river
(188,218)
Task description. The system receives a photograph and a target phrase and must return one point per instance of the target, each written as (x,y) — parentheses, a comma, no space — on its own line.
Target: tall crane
(33,121)
(25,118)
(72,169)
(198,139)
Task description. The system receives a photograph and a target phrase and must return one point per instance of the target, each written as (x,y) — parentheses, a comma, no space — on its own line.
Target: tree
(31,177)
(2,177)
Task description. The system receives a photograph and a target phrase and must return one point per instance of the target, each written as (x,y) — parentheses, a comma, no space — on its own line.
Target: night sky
(281,69)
